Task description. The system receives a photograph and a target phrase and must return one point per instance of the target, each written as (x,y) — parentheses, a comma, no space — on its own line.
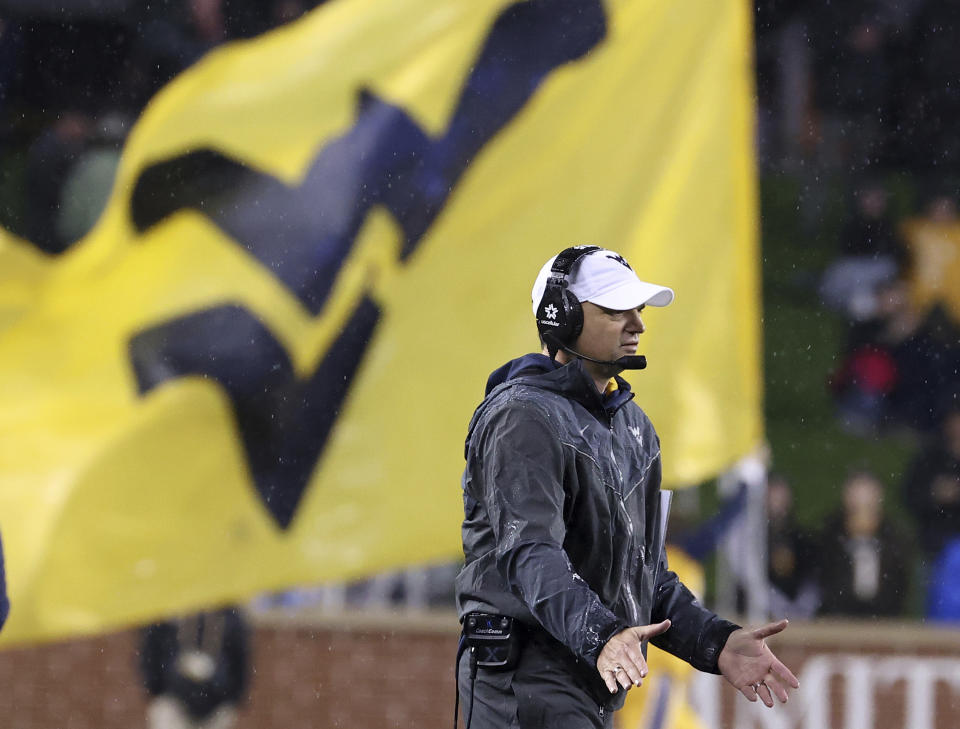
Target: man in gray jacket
(565,578)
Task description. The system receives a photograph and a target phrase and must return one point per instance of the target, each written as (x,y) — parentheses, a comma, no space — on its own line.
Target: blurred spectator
(931,487)
(792,556)
(69,175)
(857,63)
(49,158)
(87,184)
(195,669)
(905,369)
(943,591)
(925,350)
(864,557)
(871,259)
(862,387)
(870,228)
(870,254)
(933,243)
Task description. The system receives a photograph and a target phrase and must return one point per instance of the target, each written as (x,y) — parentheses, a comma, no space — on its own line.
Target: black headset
(559,314)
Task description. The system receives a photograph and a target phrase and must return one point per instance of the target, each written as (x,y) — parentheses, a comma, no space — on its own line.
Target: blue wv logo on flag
(304,234)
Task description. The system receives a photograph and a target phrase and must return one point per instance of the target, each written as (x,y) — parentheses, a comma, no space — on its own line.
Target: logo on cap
(619,259)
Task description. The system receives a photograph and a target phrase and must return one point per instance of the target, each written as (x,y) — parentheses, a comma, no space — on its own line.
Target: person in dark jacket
(931,488)
(195,669)
(563,530)
(792,555)
(865,557)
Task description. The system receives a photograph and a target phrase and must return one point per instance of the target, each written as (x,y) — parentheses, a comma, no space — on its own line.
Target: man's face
(609,334)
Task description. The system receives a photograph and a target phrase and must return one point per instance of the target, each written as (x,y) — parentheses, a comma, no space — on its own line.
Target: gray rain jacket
(562,524)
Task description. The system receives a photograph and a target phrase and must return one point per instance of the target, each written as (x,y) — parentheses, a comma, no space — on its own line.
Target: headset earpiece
(559,315)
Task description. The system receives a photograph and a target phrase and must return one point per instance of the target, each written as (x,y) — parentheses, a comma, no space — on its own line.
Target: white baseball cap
(604,278)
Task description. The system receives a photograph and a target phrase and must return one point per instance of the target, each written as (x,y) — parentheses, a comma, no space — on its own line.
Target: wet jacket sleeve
(696,635)
(521,461)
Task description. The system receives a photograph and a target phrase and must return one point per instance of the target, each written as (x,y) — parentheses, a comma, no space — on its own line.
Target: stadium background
(681,167)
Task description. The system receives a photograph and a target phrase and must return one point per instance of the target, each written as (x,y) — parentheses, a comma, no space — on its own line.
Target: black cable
(473,683)
(456,680)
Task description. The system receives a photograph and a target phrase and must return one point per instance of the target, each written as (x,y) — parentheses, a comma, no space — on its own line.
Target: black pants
(547,689)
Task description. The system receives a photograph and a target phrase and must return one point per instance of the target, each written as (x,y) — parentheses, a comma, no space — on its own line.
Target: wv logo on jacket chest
(635,430)
(303,235)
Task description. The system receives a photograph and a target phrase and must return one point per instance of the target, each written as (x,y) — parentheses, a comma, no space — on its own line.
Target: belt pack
(495,640)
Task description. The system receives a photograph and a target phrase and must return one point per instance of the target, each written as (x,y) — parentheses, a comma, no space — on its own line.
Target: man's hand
(621,660)
(750,665)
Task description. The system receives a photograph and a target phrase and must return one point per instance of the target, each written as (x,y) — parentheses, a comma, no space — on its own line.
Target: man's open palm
(751,667)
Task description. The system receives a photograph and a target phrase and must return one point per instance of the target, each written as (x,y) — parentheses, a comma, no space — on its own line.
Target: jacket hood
(528,364)
(569,380)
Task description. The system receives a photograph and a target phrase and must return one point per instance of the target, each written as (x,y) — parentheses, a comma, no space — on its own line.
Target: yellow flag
(22,271)
(258,368)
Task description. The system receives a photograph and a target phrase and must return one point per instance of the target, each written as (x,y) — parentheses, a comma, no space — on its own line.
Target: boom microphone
(627,362)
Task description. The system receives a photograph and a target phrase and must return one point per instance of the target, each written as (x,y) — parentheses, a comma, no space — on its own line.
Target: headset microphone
(627,362)
(632,362)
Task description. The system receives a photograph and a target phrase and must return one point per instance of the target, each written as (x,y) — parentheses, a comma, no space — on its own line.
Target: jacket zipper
(634,609)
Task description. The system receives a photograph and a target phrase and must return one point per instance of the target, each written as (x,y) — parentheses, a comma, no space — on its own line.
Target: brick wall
(365,674)
(365,670)
(308,671)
